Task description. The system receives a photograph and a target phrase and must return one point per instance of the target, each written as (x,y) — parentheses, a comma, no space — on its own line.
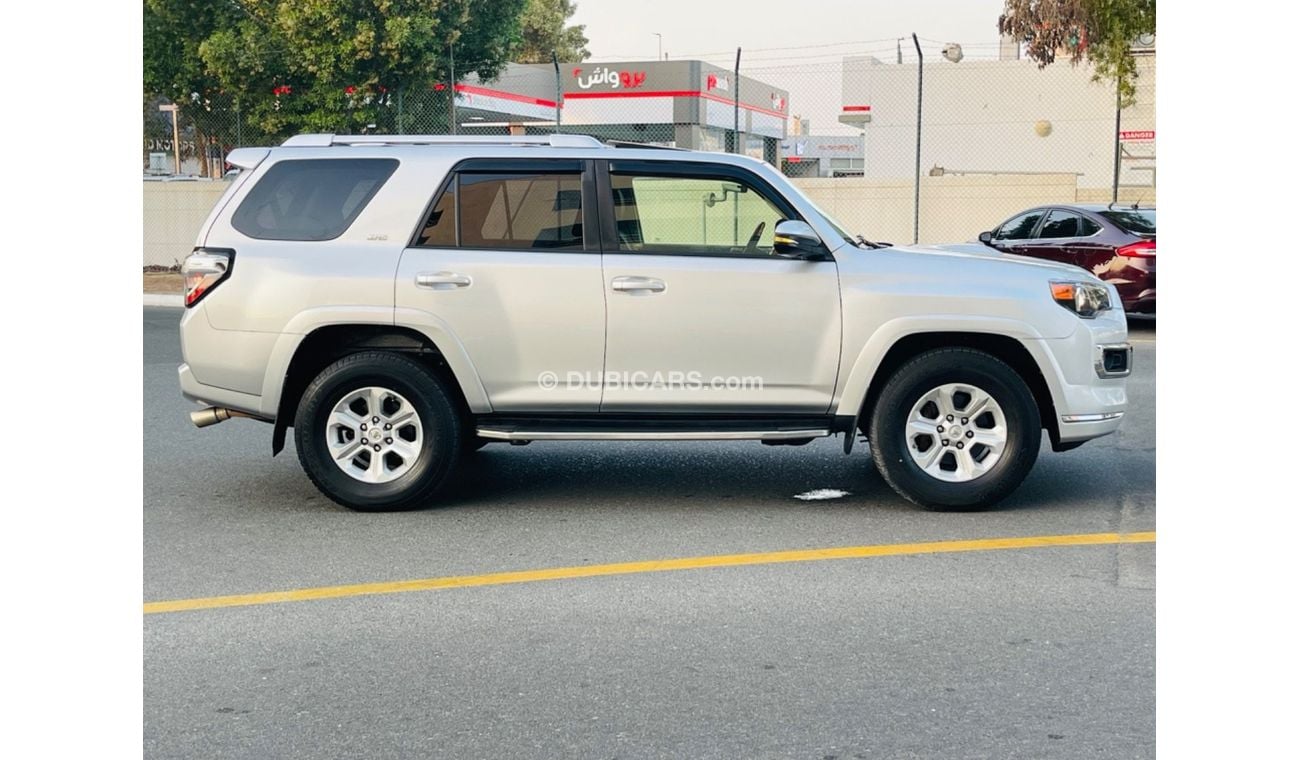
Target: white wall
(981,116)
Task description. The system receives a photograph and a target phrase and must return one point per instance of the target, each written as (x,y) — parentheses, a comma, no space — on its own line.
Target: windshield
(1141,221)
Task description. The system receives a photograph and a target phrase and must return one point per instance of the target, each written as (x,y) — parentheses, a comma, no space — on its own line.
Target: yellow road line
(650,566)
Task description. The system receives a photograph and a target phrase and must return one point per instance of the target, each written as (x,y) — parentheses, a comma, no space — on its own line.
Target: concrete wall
(173,214)
(954,209)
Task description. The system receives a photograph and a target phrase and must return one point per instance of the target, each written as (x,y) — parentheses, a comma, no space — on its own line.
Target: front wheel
(377,431)
(955,429)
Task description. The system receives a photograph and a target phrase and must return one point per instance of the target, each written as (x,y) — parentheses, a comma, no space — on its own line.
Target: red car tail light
(204,270)
(1143,249)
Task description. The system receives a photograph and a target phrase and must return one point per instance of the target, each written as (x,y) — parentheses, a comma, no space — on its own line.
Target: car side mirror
(793,239)
(986,238)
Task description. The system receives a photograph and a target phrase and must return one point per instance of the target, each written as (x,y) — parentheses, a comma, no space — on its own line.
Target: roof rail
(646,146)
(554,141)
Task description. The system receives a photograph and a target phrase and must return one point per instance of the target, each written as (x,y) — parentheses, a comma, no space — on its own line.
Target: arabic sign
(608,78)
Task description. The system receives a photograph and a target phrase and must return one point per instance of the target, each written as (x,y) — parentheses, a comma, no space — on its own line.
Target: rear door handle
(442,280)
(637,285)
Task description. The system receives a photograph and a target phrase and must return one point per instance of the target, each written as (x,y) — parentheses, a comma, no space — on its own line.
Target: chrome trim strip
(649,435)
(1091,417)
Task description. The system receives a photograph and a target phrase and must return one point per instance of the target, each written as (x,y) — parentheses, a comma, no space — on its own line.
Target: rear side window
(1136,221)
(508,210)
(311,199)
(1060,224)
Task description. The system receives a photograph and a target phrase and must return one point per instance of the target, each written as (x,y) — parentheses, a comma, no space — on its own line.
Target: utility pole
(661,45)
(735,92)
(451,86)
(176,133)
(920,91)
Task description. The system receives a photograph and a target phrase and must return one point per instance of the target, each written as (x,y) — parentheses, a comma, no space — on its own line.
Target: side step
(652,428)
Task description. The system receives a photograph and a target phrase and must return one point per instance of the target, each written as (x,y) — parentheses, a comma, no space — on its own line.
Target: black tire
(888,437)
(439,418)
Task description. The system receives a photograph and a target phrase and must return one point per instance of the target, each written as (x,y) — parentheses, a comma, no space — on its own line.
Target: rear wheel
(377,431)
(955,429)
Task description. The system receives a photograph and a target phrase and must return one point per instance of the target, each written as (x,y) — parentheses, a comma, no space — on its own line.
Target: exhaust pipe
(214,414)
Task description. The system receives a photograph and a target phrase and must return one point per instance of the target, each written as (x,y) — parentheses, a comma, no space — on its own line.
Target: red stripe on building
(668,94)
(470,89)
(857,108)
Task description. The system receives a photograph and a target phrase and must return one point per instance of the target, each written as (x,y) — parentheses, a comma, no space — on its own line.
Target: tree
(173,32)
(319,65)
(1103,31)
(543,30)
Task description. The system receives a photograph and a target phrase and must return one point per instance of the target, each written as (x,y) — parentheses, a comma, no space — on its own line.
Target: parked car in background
(1118,244)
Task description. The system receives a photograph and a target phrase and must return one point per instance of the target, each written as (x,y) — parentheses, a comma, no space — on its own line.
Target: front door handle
(637,285)
(442,280)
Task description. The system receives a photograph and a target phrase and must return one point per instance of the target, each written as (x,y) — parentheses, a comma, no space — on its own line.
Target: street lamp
(176,133)
(661,45)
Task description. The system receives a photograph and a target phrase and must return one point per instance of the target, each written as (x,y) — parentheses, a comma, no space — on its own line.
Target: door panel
(1054,238)
(503,260)
(767,330)
(522,314)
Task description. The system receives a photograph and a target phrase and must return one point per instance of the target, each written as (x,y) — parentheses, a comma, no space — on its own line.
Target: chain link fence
(997,134)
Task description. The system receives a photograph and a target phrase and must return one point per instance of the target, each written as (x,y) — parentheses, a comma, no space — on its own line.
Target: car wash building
(684,104)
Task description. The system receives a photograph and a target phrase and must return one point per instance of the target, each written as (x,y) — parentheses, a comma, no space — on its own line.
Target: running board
(653,429)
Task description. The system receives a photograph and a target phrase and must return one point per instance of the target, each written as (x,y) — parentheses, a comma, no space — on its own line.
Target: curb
(164,299)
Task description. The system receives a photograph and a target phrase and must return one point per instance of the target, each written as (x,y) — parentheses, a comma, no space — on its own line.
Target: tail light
(203,271)
(1143,249)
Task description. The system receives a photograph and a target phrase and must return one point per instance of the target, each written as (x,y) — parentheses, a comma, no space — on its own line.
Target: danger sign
(1145,135)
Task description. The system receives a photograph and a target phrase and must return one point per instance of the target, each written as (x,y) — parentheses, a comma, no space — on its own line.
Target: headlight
(1082,298)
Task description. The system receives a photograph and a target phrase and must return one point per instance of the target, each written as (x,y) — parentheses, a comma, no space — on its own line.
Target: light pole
(661,45)
(176,133)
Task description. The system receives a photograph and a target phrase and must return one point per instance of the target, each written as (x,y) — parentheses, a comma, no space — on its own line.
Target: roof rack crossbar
(554,141)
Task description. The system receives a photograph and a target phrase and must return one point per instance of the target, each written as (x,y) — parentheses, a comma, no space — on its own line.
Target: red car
(1118,244)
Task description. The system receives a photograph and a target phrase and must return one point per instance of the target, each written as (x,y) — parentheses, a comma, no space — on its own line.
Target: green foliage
(1100,30)
(322,65)
(543,30)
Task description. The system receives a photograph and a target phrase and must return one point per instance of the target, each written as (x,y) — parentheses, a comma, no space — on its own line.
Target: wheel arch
(1004,347)
(328,343)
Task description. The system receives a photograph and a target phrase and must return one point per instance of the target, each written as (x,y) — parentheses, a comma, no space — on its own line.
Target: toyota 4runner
(401,301)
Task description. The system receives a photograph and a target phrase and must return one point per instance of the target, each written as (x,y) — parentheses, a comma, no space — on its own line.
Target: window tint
(311,199)
(518,210)
(1088,227)
(678,214)
(1060,224)
(1136,221)
(1020,227)
(440,227)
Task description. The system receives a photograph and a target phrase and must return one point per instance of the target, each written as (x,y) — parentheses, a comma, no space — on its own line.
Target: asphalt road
(1019,653)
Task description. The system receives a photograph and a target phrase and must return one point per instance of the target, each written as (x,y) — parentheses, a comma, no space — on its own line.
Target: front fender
(852,390)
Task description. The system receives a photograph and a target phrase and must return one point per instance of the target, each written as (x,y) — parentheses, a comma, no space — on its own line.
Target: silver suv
(401,301)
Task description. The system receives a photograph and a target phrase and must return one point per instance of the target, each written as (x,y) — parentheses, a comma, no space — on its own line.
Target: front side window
(311,199)
(508,210)
(1060,224)
(1020,227)
(692,215)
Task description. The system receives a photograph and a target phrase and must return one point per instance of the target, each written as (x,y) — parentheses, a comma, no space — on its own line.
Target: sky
(796,45)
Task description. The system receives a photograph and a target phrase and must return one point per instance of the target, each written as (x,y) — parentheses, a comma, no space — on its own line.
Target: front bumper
(1089,400)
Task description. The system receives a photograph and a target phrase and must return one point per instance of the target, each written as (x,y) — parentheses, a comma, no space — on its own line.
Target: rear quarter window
(311,199)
